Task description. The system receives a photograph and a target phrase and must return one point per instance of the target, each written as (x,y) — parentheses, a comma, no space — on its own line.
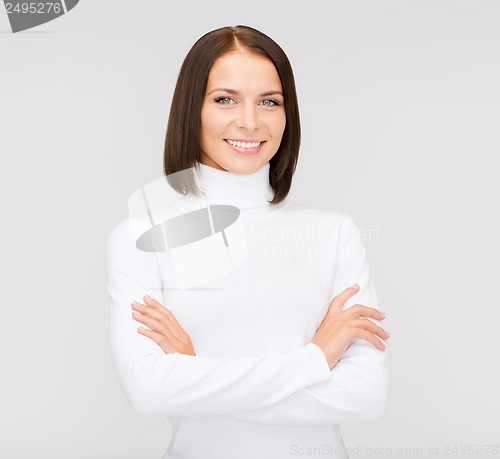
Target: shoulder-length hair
(182,142)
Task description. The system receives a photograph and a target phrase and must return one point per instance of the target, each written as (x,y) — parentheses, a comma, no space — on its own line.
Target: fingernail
(383,313)
(355,285)
(136,303)
(148,297)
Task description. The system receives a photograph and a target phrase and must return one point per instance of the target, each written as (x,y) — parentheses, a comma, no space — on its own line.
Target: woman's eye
(223,98)
(272,104)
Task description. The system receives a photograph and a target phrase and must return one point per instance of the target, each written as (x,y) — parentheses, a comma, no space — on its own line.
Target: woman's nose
(248,118)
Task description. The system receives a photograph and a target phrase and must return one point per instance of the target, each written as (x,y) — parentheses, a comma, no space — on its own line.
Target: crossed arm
(287,388)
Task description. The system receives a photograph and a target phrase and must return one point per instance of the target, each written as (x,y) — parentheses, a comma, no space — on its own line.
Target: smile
(239,144)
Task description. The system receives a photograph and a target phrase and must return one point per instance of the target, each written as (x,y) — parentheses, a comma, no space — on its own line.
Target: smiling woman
(238,118)
(235,85)
(269,358)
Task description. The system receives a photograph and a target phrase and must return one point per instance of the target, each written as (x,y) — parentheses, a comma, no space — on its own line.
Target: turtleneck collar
(250,193)
(240,190)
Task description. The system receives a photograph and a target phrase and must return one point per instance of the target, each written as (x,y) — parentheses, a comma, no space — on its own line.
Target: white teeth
(244,144)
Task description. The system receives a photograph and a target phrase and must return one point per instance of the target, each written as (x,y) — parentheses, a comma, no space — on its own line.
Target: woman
(267,360)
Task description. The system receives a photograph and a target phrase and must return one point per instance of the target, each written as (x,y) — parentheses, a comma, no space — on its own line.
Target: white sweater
(257,388)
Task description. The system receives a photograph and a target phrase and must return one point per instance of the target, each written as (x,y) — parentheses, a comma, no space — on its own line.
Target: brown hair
(182,142)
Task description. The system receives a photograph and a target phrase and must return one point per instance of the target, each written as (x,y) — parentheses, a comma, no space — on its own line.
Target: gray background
(399,106)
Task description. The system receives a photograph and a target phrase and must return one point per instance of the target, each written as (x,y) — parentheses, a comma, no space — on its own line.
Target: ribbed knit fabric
(257,388)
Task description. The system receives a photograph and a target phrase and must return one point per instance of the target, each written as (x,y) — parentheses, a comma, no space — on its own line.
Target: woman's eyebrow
(236,93)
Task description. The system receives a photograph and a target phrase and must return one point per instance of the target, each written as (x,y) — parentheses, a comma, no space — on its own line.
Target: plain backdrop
(399,105)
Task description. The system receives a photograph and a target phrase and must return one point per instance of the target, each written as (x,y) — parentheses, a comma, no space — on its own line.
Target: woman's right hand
(339,328)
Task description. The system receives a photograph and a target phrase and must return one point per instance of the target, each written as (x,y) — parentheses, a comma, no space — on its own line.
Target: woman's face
(243,103)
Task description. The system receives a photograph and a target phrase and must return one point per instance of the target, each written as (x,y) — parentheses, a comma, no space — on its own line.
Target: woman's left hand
(165,330)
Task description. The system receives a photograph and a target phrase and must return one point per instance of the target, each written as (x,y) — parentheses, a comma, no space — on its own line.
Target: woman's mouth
(245,147)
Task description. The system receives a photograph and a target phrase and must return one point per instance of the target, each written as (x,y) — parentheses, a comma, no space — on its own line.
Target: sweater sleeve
(357,389)
(156,383)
